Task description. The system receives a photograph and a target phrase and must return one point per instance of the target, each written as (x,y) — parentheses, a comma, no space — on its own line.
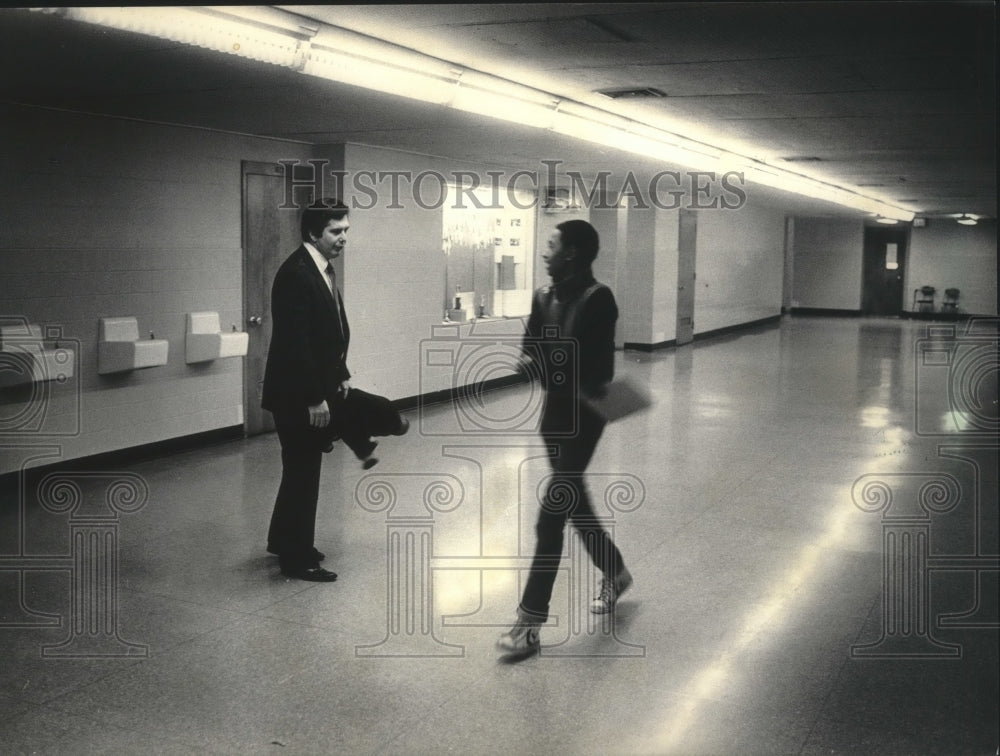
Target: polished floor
(809,510)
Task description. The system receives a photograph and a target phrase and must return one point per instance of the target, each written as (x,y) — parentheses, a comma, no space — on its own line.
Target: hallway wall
(740,264)
(111,217)
(393,279)
(945,255)
(827,263)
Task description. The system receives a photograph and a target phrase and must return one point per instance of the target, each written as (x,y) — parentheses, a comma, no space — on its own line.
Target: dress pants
(293,521)
(566,498)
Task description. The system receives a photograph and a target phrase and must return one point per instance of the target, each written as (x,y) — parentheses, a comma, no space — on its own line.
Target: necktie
(336,294)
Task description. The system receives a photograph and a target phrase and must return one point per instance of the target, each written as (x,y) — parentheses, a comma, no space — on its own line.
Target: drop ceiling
(895,98)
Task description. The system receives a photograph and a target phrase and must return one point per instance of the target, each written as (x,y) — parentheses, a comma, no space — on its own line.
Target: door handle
(255,320)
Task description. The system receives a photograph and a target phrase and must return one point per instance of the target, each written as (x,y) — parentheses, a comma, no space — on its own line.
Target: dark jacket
(307,358)
(583,313)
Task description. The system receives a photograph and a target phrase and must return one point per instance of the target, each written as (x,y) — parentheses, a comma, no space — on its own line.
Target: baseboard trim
(451,394)
(649,347)
(906,314)
(144,452)
(749,326)
(949,317)
(130,455)
(827,312)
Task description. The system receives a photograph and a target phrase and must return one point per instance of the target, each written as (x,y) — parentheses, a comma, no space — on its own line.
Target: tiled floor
(780,476)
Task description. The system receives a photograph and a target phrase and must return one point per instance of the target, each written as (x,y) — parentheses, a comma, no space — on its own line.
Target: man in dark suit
(306,376)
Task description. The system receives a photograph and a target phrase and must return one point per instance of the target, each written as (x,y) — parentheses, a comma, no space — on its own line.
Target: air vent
(640,92)
(802,159)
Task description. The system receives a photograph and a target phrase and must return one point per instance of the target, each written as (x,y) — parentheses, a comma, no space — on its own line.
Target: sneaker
(611,591)
(520,641)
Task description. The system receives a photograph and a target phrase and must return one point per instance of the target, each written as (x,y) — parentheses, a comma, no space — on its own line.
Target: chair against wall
(923,299)
(950,301)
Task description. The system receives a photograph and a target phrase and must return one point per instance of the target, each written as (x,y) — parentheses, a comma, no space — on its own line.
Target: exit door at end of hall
(884,270)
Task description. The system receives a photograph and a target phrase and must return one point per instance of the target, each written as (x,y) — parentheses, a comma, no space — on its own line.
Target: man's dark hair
(582,237)
(318,214)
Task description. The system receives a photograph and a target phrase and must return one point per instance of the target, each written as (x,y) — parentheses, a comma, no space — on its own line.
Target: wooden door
(270,234)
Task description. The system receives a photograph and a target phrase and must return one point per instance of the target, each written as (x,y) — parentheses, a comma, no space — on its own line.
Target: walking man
(584,311)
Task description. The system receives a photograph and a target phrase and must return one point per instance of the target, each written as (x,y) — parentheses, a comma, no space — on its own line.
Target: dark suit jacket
(307,358)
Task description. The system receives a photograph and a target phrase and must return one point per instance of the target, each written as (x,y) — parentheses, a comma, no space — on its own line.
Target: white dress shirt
(321,263)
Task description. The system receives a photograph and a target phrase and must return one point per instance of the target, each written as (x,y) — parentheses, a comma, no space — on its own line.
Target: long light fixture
(259,33)
(271,35)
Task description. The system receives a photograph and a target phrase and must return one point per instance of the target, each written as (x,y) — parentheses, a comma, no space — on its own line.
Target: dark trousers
(354,420)
(293,521)
(566,498)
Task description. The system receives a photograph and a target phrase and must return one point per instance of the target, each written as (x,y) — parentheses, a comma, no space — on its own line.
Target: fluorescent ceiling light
(275,36)
(260,36)
(337,65)
(967,220)
(506,108)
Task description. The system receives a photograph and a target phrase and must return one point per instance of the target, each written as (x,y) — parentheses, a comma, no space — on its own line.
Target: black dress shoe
(313,574)
(404,426)
(317,555)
